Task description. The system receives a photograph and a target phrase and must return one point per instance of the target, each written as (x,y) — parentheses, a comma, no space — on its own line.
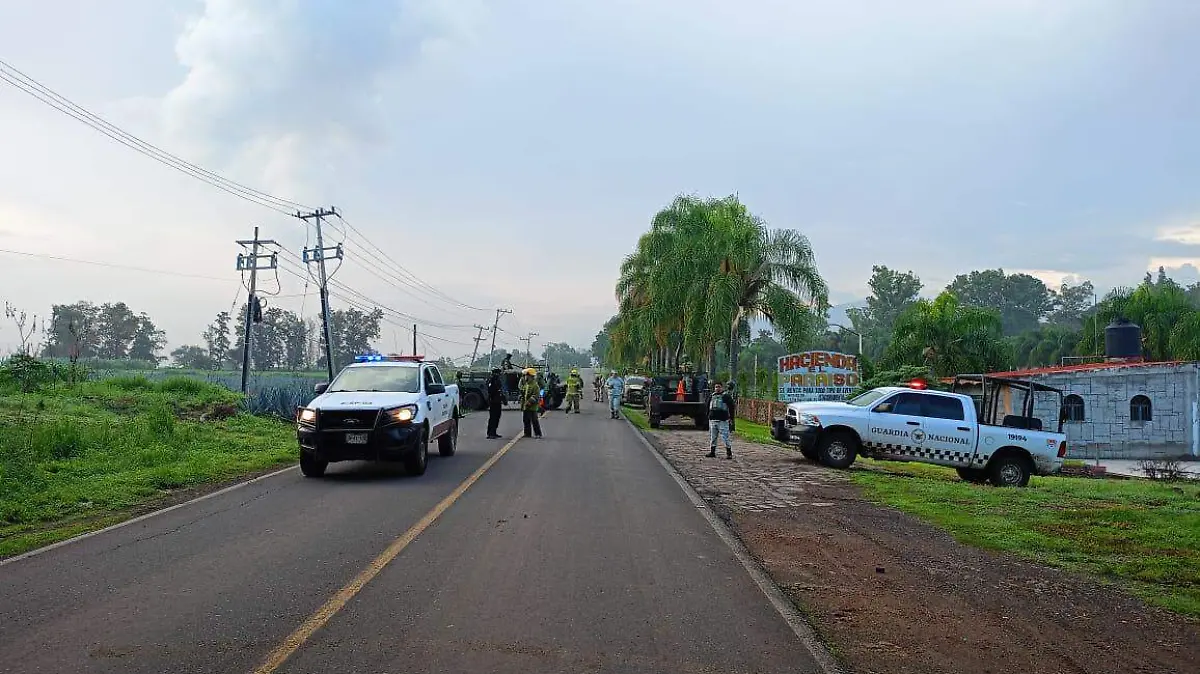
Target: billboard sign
(817,375)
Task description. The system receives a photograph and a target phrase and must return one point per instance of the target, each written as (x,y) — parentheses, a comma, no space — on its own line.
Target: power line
(44,94)
(415,279)
(61,258)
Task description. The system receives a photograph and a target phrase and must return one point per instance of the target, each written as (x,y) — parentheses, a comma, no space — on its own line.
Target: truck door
(894,422)
(447,397)
(433,402)
(948,438)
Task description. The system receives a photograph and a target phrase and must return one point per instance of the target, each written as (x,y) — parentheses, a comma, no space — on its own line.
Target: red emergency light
(918,384)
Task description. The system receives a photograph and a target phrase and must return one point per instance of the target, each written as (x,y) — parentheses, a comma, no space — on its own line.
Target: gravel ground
(890,594)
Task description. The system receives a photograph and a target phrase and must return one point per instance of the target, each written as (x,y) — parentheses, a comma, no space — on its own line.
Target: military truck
(473,389)
(663,400)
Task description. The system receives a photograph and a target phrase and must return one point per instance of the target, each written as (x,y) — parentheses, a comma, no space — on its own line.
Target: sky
(510,152)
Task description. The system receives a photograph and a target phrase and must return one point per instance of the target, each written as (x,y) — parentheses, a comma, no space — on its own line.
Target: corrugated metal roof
(1086,367)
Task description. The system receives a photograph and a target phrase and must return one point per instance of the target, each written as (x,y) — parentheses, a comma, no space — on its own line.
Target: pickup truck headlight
(401,415)
(306,416)
(805,419)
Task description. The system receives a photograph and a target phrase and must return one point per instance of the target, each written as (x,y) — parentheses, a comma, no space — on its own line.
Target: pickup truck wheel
(473,401)
(811,454)
(419,460)
(1010,470)
(448,443)
(837,450)
(701,423)
(311,466)
(655,422)
(973,475)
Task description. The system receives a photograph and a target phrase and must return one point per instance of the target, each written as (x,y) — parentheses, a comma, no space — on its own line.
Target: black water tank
(1122,339)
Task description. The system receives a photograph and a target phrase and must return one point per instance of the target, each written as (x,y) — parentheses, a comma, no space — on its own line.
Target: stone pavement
(760,477)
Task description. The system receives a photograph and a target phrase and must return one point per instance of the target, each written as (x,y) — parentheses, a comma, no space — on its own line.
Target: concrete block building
(1124,410)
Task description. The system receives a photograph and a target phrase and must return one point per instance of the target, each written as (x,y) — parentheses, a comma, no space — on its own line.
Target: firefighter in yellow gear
(574,391)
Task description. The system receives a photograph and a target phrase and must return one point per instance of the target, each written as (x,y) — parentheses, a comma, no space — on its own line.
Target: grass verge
(1140,534)
(81,457)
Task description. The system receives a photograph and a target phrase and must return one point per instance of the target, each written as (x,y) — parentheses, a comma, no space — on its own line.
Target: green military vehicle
(472,387)
(664,401)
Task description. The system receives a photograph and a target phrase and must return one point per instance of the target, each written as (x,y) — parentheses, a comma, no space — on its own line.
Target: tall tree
(1021,300)
(147,340)
(72,331)
(216,339)
(1071,304)
(116,326)
(892,293)
(1042,347)
(948,337)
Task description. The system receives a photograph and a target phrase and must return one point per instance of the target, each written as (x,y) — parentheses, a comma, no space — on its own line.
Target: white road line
(795,620)
(141,518)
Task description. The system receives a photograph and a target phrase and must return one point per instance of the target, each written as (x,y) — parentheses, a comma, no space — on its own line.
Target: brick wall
(1107,431)
(760,411)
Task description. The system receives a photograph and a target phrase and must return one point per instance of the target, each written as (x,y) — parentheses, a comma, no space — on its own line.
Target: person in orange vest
(680,391)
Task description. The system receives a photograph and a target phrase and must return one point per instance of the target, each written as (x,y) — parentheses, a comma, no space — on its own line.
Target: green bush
(185,385)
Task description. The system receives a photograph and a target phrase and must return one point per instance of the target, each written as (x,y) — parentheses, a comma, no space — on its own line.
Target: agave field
(272,393)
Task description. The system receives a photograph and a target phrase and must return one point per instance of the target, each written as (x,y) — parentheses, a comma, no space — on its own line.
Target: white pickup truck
(379,408)
(953,429)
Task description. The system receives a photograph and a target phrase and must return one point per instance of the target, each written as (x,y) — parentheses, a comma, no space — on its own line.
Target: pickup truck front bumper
(803,436)
(390,443)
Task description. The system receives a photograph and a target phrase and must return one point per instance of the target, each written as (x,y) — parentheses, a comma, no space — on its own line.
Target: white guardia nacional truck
(379,408)
(986,427)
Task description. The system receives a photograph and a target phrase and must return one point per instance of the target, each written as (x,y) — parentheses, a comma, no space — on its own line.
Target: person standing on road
(531,398)
(495,394)
(616,388)
(720,406)
(574,390)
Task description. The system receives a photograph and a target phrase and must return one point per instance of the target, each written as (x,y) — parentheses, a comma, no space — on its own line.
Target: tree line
(707,267)
(112,331)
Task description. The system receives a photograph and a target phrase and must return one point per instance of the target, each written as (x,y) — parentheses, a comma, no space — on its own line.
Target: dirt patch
(891,594)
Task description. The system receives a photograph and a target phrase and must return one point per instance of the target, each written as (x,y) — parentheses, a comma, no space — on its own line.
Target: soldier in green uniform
(574,391)
(531,397)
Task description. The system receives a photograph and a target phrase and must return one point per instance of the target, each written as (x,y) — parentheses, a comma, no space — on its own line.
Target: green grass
(638,418)
(77,458)
(1136,533)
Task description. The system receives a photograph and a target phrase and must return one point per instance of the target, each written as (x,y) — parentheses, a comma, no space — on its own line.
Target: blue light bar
(369,358)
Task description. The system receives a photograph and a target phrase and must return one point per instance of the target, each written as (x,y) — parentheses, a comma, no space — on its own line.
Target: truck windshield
(867,398)
(376,378)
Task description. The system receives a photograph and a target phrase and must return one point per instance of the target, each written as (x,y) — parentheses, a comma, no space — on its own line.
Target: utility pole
(414,339)
(251,262)
(319,255)
(527,339)
(475,353)
(495,329)
(546,351)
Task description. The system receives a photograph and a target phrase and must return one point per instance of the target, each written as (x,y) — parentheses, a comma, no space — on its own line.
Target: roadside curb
(144,517)
(799,625)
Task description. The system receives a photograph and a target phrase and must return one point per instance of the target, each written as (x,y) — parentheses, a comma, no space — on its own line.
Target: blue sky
(940,137)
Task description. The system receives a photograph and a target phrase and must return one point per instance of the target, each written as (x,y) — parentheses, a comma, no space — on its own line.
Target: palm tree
(1165,312)
(761,273)
(947,337)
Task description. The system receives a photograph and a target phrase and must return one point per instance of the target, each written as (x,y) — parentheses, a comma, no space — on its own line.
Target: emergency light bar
(918,384)
(379,358)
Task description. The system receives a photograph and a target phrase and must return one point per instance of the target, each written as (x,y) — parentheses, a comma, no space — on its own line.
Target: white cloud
(1186,234)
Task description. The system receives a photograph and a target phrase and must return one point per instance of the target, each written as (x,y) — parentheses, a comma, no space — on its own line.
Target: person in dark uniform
(495,393)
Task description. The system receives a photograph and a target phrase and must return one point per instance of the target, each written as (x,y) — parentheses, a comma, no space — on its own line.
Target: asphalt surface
(574,553)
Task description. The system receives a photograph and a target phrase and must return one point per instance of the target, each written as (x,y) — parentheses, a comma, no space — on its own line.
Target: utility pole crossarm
(318,255)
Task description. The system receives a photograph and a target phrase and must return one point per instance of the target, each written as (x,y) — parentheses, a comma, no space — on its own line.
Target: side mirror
(434,389)
(321,388)
(883,408)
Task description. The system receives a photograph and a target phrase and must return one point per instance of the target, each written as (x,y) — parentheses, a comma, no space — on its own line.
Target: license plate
(356,438)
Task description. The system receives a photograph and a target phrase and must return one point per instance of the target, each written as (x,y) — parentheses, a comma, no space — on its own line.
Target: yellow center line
(330,608)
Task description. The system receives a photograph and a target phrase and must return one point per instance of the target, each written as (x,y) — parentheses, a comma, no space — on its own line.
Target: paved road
(573,553)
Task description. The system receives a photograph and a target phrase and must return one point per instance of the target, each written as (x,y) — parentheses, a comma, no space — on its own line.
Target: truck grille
(347,419)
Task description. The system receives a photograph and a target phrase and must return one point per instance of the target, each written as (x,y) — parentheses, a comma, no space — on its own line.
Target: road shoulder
(888,593)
